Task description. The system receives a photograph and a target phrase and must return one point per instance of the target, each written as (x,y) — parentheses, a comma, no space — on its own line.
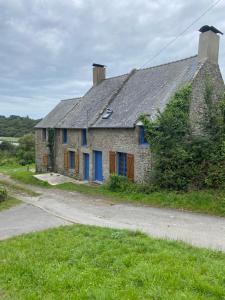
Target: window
(107,113)
(64,136)
(84,137)
(72,159)
(44,134)
(122,164)
(142,137)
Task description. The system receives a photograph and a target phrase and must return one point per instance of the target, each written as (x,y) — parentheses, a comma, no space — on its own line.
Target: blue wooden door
(86,166)
(98,165)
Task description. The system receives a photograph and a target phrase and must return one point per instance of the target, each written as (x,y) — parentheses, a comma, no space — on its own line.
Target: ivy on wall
(182,160)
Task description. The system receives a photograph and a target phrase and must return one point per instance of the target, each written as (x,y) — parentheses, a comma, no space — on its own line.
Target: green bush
(7,147)
(3,194)
(183,161)
(26,150)
(117,183)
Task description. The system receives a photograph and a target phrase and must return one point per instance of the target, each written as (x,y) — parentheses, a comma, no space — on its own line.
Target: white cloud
(47,46)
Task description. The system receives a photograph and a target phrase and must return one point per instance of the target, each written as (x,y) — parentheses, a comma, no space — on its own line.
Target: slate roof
(58,113)
(92,103)
(129,95)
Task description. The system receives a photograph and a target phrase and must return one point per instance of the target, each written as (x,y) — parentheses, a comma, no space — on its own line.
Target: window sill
(144,146)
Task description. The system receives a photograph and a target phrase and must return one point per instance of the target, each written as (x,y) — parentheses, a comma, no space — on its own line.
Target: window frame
(44,134)
(122,163)
(84,137)
(72,155)
(142,138)
(65,136)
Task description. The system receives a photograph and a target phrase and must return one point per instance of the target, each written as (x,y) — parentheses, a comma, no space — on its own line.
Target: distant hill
(16,126)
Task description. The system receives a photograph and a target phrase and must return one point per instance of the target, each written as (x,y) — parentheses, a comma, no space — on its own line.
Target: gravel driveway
(63,207)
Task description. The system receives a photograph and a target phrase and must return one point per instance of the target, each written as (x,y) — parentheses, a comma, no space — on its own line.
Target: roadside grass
(11,168)
(8,203)
(83,262)
(207,201)
(28,178)
(14,188)
(22,174)
(202,201)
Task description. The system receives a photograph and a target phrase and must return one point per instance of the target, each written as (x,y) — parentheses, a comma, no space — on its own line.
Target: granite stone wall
(211,73)
(105,140)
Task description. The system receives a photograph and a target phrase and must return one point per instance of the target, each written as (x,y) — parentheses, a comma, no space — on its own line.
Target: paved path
(26,218)
(197,229)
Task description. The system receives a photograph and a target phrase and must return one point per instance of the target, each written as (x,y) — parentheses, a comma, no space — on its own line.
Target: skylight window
(107,113)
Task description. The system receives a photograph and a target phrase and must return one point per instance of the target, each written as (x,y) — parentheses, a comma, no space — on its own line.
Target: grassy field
(81,262)
(204,201)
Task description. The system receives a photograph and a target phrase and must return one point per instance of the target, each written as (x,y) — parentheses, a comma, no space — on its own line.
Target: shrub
(26,149)
(3,194)
(117,183)
(7,147)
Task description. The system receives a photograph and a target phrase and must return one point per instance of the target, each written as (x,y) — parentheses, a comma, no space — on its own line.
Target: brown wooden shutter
(77,161)
(45,160)
(130,167)
(112,162)
(66,160)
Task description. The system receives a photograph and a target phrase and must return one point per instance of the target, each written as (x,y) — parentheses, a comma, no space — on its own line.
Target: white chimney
(98,73)
(209,41)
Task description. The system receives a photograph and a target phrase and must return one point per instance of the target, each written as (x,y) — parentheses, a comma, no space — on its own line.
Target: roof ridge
(125,74)
(168,63)
(77,98)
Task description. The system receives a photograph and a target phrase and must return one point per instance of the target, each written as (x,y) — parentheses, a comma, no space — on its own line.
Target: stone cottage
(99,134)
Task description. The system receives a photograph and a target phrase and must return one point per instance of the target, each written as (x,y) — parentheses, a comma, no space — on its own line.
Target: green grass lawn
(82,262)
(10,202)
(203,201)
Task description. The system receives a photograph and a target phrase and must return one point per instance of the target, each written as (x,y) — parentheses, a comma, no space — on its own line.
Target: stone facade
(210,73)
(105,140)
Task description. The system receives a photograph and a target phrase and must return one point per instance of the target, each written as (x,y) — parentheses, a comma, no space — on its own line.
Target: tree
(26,149)
(7,147)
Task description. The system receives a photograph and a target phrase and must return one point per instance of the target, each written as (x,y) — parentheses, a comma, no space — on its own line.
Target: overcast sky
(47,47)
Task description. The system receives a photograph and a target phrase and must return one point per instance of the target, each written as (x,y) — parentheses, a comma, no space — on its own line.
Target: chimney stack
(98,73)
(209,41)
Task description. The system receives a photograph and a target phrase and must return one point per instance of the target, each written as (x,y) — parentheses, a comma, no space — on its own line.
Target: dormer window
(142,137)
(84,137)
(107,113)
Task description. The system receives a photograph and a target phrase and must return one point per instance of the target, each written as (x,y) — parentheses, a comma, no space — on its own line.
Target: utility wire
(181,33)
